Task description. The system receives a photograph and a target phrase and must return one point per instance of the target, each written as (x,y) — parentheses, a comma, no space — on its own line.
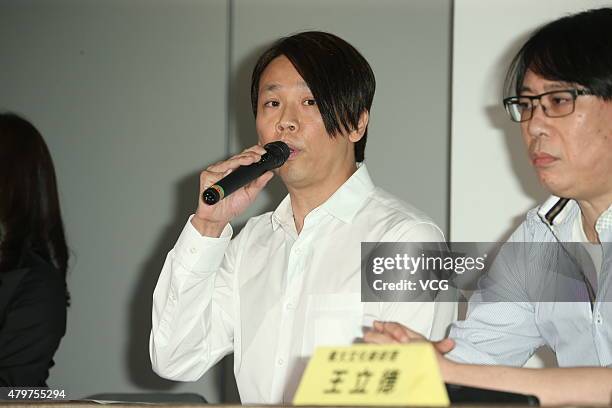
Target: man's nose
(288,121)
(538,124)
(286,125)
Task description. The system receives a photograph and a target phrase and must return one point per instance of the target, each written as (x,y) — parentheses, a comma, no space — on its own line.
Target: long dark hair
(30,217)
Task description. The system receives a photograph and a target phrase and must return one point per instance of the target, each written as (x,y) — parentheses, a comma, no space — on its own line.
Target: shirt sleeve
(500,327)
(430,318)
(193,317)
(496,333)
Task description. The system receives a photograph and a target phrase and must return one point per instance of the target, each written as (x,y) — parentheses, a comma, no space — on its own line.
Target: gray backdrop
(136,97)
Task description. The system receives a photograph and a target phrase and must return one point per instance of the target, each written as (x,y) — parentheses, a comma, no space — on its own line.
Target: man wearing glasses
(562,79)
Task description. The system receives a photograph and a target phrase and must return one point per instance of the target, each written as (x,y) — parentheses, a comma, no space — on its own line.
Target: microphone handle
(242,176)
(236,179)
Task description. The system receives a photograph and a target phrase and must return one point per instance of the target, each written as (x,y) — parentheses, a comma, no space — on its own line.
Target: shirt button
(598,318)
(289,306)
(280,361)
(172,297)
(193,250)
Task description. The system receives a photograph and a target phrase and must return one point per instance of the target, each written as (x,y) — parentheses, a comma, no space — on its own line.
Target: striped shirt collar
(557,211)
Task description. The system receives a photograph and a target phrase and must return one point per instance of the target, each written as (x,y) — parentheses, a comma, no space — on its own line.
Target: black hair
(339,77)
(30,217)
(574,49)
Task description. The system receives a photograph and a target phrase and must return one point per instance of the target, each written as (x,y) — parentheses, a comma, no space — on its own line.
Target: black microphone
(277,154)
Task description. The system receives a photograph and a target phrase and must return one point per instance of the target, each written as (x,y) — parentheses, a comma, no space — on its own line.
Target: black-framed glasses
(555,104)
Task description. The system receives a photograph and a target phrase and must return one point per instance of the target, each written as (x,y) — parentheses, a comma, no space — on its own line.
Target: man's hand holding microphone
(228,187)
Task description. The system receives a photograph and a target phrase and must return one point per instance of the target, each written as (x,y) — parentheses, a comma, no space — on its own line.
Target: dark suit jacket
(32,322)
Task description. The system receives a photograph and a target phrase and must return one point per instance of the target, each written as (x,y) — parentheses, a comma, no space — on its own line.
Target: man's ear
(356,134)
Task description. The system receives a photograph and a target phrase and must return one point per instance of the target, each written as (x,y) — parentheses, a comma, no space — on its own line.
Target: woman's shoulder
(36,281)
(41,273)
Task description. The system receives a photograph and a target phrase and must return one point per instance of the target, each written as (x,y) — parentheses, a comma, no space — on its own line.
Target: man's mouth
(293,151)
(540,160)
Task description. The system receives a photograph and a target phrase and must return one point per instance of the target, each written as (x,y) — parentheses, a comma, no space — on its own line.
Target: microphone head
(278,153)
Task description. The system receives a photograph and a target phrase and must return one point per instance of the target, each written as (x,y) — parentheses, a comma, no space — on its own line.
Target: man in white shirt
(290,281)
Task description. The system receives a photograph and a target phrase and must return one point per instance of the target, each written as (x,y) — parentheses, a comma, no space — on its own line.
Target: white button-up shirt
(271,296)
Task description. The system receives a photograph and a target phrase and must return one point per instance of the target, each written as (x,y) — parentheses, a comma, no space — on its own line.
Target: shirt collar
(283,213)
(555,212)
(343,204)
(604,222)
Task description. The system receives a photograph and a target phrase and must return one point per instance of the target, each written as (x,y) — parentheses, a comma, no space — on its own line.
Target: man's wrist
(448,369)
(206,228)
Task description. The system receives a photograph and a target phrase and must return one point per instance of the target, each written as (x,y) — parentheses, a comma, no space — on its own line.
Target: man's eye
(310,102)
(271,104)
(560,100)
(523,105)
